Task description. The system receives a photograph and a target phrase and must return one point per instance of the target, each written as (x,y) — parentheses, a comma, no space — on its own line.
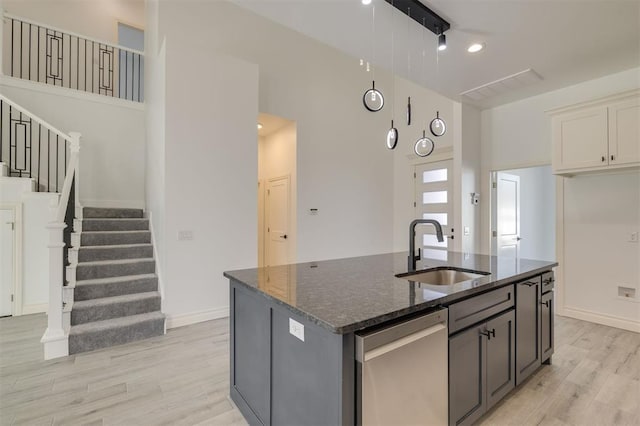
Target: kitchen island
(294,327)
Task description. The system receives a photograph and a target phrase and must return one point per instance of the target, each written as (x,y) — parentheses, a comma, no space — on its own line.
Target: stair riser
(89,272)
(142,237)
(114,253)
(115,225)
(97,291)
(117,336)
(114,310)
(100,213)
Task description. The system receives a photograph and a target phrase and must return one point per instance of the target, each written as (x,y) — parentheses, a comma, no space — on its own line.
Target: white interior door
(434,200)
(277,221)
(508,214)
(7,260)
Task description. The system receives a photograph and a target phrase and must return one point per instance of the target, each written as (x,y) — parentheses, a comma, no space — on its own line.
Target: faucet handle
(419,255)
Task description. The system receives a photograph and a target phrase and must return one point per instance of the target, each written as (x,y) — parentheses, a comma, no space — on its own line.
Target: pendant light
(408,67)
(373,99)
(392,134)
(424,146)
(438,127)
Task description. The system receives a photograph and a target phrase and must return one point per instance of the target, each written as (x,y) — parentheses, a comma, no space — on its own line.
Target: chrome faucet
(413,258)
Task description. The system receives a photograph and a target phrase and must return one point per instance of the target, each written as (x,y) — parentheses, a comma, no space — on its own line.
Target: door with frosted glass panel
(434,196)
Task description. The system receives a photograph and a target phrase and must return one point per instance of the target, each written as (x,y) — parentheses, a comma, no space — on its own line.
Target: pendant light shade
(442,42)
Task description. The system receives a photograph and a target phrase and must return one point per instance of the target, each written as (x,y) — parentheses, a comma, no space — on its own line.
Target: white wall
(93,18)
(155,104)
(112,153)
(600,213)
(277,158)
(210,178)
(537,212)
(470,176)
(34,269)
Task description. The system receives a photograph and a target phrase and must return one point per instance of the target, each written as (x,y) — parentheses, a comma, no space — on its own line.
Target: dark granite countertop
(347,295)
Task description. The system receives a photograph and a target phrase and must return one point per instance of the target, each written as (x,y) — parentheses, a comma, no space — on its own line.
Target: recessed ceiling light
(475,47)
(366,2)
(259,126)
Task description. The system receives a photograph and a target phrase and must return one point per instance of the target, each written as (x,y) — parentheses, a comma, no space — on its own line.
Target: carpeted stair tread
(107,238)
(93,310)
(114,268)
(98,281)
(114,252)
(115,286)
(114,213)
(116,261)
(84,304)
(119,224)
(101,334)
(114,322)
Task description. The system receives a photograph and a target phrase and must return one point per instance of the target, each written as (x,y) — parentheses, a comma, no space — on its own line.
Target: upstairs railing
(32,148)
(42,53)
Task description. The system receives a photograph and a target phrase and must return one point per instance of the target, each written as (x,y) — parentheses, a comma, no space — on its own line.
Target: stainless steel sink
(442,276)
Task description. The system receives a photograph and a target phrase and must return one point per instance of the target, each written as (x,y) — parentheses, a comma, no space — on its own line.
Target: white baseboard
(181,320)
(599,318)
(34,309)
(116,204)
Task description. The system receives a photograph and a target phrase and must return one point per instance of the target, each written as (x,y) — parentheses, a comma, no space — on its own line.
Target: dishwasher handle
(379,351)
(399,334)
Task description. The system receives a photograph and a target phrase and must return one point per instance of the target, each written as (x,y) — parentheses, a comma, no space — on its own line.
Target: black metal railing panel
(66,235)
(48,55)
(31,150)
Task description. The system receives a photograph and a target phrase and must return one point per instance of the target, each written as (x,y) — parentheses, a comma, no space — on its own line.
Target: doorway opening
(8,260)
(523,208)
(276,190)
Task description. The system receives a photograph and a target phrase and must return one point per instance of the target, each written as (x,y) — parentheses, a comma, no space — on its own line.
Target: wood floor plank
(183,378)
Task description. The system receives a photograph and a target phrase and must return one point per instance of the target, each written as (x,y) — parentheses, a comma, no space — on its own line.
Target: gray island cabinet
(294,327)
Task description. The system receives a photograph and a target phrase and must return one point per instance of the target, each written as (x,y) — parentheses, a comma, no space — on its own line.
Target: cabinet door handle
(604,158)
(529,283)
(545,303)
(613,158)
(489,333)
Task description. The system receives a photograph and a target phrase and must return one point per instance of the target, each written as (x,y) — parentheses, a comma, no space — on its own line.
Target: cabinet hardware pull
(528,283)
(545,303)
(489,333)
(613,158)
(604,159)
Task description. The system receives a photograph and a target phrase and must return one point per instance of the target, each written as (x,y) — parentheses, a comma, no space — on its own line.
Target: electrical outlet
(185,235)
(466,230)
(633,237)
(296,329)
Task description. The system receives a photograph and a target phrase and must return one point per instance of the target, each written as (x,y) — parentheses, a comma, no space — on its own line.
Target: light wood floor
(182,378)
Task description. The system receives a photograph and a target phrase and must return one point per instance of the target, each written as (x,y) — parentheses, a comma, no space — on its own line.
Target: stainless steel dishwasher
(402,373)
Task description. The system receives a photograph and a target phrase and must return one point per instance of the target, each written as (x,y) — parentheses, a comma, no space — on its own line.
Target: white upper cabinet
(599,135)
(624,132)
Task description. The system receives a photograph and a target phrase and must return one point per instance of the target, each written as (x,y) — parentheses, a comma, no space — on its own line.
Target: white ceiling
(564,41)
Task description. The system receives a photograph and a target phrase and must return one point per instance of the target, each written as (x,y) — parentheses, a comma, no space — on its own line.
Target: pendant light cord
(373,42)
(393,75)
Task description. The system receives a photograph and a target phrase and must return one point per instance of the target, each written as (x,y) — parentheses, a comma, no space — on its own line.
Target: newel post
(55,340)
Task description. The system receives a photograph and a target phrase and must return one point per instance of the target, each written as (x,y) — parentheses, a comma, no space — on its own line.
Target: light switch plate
(185,235)
(296,329)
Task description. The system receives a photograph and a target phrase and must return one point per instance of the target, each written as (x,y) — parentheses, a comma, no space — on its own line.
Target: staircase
(112,274)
